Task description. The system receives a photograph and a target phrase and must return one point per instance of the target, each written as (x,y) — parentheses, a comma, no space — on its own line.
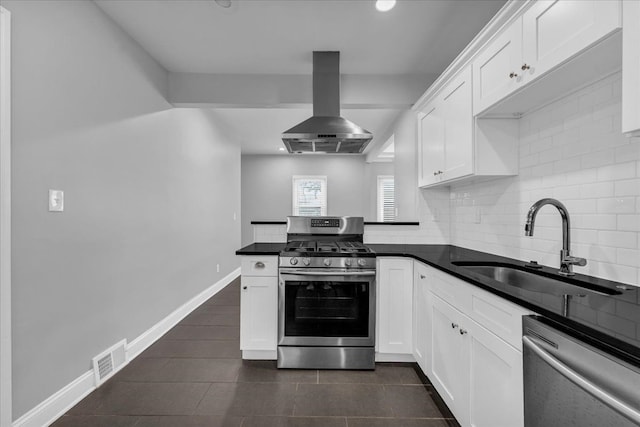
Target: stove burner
(313,247)
(352,247)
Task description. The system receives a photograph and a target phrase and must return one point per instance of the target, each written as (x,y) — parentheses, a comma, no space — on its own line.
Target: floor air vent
(109,362)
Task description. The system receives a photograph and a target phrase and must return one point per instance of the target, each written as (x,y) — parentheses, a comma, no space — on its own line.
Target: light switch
(56,200)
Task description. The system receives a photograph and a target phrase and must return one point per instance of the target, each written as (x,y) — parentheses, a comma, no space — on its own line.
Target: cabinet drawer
(259,265)
(499,316)
(450,289)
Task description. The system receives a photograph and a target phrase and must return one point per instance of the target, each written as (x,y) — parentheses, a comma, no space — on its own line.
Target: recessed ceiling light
(385,5)
(281,149)
(224,3)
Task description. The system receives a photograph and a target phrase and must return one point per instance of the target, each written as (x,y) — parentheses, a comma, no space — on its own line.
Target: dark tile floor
(194,377)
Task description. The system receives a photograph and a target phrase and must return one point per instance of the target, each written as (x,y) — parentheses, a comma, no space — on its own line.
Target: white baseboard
(394,357)
(59,403)
(142,342)
(64,399)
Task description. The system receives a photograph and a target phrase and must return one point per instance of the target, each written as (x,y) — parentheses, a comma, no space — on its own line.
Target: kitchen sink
(522,278)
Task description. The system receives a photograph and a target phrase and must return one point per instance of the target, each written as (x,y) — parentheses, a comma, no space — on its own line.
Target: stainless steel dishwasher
(568,382)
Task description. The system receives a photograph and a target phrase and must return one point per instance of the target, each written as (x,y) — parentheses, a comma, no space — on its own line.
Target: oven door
(326,307)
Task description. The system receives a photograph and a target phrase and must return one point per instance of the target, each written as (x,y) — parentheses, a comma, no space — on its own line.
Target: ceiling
(277,37)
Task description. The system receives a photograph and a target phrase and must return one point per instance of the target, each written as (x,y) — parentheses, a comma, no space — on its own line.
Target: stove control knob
(306,261)
(327,262)
(362,262)
(347,262)
(293,261)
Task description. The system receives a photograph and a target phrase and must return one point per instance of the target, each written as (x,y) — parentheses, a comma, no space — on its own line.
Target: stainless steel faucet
(566,260)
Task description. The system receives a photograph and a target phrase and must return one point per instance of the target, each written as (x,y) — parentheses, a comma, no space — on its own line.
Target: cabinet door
(430,145)
(493,68)
(448,357)
(395,306)
(258,313)
(555,30)
(421,317)
(495,380)
(630,67)
(458,127)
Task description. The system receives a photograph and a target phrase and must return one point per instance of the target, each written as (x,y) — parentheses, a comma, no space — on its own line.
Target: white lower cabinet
(464,341)
(259,313)
(394,302)
(478,375)
(495,380)
(448,358)
(259,309)
(421,316)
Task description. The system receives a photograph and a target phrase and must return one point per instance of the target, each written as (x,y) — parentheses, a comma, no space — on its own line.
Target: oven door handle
(327,273)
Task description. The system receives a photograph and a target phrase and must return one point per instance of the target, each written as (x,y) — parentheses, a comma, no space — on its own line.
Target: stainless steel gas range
(326,295)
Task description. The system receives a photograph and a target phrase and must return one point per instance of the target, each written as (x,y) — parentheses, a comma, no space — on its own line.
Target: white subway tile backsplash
(589,166)
(627,187)
(596,190)
(529,160)
(618,171)
(596,221)
(627,152)
(619,239)
(629,222)
(617,205)
(582,176)
(630,257)
(598,158)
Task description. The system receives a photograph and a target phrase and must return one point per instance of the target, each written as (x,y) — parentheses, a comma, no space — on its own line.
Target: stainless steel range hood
(326,131)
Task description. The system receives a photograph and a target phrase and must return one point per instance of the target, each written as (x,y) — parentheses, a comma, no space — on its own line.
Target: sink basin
(519,277)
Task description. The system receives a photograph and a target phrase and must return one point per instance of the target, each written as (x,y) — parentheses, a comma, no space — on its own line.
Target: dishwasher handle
(582,382)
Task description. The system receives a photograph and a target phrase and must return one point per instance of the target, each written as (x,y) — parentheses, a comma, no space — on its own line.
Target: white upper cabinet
(452,145)
(496,69)
(566,41)
(446,133)
(431,145)
(631,68)
(555,30)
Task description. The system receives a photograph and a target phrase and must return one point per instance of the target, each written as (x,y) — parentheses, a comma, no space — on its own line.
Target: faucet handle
(576,261)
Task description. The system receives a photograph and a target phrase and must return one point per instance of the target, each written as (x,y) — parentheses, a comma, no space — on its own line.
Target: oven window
(326,309)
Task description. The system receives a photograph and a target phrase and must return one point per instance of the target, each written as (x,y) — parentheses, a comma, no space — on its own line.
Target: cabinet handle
(244,287)
(422,276)
(512,75)
(525,67)
(454,325)
(259,264)
(463,331)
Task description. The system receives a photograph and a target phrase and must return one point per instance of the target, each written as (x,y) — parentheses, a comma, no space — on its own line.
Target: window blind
(309,195)
(386,199)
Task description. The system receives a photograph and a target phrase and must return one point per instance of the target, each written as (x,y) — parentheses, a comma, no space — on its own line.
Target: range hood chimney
(326,131)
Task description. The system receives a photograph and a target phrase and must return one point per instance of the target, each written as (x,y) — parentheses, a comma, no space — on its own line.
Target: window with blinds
(309,195)
(386,199)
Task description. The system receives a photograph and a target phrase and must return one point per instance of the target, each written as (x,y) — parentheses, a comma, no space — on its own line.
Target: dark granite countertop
(261,249)
(365,223)
(611,323)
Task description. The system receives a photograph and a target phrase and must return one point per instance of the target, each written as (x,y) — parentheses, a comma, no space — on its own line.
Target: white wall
(571,150)
(150,194)
(267,181)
